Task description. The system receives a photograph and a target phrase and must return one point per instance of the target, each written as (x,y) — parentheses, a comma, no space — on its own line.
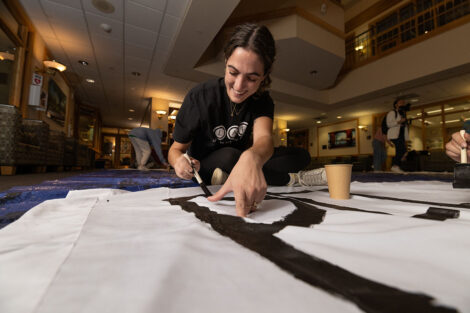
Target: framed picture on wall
(342,139)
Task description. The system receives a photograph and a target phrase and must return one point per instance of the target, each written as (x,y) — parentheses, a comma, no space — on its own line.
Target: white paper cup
(339,180)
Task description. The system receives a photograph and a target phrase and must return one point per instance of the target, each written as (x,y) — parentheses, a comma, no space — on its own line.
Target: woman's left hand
(247,183)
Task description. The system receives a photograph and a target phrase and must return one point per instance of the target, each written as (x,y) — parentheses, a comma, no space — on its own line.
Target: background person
(225,125)
(398,132)
(142,138)
(380,151)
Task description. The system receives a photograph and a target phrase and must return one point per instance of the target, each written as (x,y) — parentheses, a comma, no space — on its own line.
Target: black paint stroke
(368,295)
(452,205)
(328,205)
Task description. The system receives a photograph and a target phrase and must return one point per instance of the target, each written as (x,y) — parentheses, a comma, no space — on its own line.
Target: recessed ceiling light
(131,110)
(106,27)
(135,73)
(82,62)
(89,80)
(339,116)
(129,118)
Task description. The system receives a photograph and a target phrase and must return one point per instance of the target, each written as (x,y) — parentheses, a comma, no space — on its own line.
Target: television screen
(342,139)
(56,103)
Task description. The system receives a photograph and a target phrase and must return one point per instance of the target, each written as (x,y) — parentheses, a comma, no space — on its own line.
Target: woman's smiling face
(244,72)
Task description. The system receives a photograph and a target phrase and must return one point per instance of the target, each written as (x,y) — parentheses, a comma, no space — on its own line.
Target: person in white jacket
(397,133)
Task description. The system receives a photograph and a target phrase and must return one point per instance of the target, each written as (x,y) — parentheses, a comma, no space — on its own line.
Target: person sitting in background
(456,144)
(142,138)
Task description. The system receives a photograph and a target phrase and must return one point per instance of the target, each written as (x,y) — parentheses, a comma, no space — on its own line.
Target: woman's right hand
(183,169)
(179,162)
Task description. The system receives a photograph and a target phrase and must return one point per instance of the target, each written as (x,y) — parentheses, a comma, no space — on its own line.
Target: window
(7,61)
(405,24)
(454,117)
(432,125)
(433,133)
(422,5)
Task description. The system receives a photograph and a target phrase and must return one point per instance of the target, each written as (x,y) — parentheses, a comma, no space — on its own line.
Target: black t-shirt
(205,120)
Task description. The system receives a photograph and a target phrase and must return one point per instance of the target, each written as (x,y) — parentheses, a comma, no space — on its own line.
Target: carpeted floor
(15,201)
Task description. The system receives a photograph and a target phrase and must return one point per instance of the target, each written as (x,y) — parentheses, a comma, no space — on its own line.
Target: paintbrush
(198,178)
(462,169)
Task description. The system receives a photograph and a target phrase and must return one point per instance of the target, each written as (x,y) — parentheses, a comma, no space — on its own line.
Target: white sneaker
(314,177)
(396,169)
(218,177)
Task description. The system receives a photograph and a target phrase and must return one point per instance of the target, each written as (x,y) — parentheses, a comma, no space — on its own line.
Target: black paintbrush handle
(205,189)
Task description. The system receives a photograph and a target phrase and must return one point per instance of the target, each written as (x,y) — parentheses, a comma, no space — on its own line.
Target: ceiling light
(135,74)
(129,118)
(89,80)
(7,56)
(174,105)
(318,122)
(82,62)
(339,116)
(131,110)
(360,47)
(103,6)
(160,113)
(53,66)
(172,117)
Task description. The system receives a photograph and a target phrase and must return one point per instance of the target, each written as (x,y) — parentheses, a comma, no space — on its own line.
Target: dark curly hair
(258,39)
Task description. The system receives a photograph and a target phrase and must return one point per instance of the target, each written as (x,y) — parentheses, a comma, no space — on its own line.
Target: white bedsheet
(115,251)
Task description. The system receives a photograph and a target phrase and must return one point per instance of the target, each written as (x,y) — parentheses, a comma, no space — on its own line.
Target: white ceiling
(141,34)
(147,37)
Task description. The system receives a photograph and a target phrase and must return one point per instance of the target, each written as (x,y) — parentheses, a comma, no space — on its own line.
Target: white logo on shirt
(219,132)
(234,132)
(242,128)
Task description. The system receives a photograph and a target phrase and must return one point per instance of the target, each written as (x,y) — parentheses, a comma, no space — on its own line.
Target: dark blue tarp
(17,200)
